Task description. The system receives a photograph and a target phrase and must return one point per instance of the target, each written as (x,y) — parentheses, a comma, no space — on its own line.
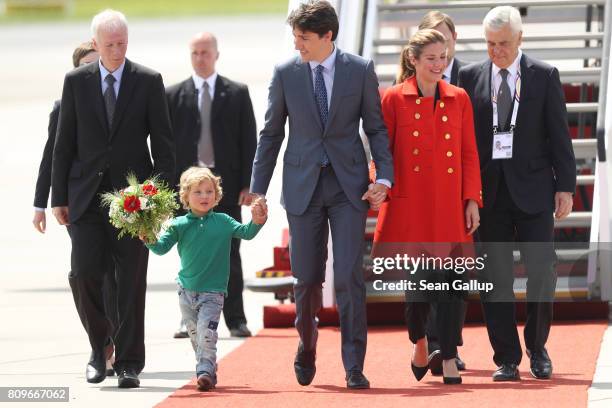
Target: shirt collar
(118,73)
(198,81)
(513,69)
(449,70)
(192,216)
(328,63)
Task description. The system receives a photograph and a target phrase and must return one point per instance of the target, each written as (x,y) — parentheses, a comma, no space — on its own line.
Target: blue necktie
(321,98)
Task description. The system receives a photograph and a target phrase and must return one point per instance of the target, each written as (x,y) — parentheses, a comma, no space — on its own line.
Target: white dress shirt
(449,71)
(514,71)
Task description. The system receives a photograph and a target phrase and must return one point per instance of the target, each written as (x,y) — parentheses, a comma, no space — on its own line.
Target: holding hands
(375,195)
(259,210)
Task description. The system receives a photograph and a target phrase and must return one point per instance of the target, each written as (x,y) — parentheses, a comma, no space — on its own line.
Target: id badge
(502,145)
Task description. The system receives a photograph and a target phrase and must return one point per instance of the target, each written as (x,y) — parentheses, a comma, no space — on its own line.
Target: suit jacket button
(100,173)
(450,170)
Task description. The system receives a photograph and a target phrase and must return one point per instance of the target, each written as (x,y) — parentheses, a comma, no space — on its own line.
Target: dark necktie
(110,100)
(504,100)
(321,98)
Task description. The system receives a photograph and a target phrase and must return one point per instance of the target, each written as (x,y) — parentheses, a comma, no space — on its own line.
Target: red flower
(131,204)
(149,190)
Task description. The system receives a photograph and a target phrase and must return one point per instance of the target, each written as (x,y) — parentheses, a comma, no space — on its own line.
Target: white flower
(130,190)
(144,203)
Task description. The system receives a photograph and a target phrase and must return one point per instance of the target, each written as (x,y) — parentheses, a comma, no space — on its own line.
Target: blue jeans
(201,312)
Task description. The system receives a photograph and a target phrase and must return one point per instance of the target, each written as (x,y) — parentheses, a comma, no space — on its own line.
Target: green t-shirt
(204,247)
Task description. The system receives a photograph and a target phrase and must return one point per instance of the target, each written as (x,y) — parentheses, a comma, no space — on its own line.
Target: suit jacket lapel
(526,86)
(455,71)
(219,98)
(483,90)
(190,98)
(125,93)
(94,84)
(342,73)
(305,81)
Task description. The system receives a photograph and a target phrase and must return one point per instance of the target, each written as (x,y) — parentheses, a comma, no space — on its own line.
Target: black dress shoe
(435,362)
(304,366)
(540,365)
(96,368)
(507,372)
(128,378)
(241,331)
(460,363)
(355,380)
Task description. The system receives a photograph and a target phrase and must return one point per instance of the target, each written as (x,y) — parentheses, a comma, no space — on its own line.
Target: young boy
(204,239)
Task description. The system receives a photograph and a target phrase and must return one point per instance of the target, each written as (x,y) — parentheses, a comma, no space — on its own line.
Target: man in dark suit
(82,55)
(108,111)
(528,178)
(214,126)
(325,92)
(443,23)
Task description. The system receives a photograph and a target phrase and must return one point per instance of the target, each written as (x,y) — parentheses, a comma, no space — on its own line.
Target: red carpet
(260,374)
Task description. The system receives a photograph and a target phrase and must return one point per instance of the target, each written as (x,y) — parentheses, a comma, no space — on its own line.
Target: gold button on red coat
(415,152)
(444,118)
(441,104)
(449,154)
(417,115)
(418,101)
(415,133)
(447,136)
(417,169)
(450,170)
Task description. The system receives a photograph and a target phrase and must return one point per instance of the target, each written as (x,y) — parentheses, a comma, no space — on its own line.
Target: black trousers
(93,239)
(504,223)
(109,289)
(233,308)
(449,307)
(431,327)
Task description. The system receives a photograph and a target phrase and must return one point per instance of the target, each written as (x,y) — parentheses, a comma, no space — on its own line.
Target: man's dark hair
(81,51)
(317,16)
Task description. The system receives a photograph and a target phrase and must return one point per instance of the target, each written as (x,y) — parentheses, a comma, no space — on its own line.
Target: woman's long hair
(414,48)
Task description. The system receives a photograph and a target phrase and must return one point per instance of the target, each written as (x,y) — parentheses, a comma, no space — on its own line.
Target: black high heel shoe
(419,372)
(451,380)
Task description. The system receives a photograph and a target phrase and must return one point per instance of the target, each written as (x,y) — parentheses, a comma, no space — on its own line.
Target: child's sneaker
(205,382)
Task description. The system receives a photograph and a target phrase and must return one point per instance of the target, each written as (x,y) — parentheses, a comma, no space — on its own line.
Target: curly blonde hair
(193,176)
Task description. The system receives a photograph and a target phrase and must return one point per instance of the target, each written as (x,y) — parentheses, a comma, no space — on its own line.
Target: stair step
(400,42)
(487,4)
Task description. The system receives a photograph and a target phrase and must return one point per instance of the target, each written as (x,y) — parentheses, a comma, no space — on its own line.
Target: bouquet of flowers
(140,209)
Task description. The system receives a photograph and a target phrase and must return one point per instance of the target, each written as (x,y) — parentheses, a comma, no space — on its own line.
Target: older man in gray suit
(325,92)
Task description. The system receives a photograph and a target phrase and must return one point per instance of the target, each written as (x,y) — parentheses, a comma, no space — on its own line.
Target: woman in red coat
(437,188)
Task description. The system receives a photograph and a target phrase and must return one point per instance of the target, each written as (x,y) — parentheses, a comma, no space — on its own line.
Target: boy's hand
(259,211)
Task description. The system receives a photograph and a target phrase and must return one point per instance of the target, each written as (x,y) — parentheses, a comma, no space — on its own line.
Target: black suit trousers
(93,239)
(504,222)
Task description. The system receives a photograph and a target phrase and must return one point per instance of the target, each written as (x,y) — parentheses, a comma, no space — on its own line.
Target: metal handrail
(490,4)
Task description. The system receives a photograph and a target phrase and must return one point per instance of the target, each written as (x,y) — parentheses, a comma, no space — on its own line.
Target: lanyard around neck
(517,97)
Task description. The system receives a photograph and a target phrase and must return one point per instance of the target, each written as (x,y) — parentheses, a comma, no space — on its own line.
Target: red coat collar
(409,87)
